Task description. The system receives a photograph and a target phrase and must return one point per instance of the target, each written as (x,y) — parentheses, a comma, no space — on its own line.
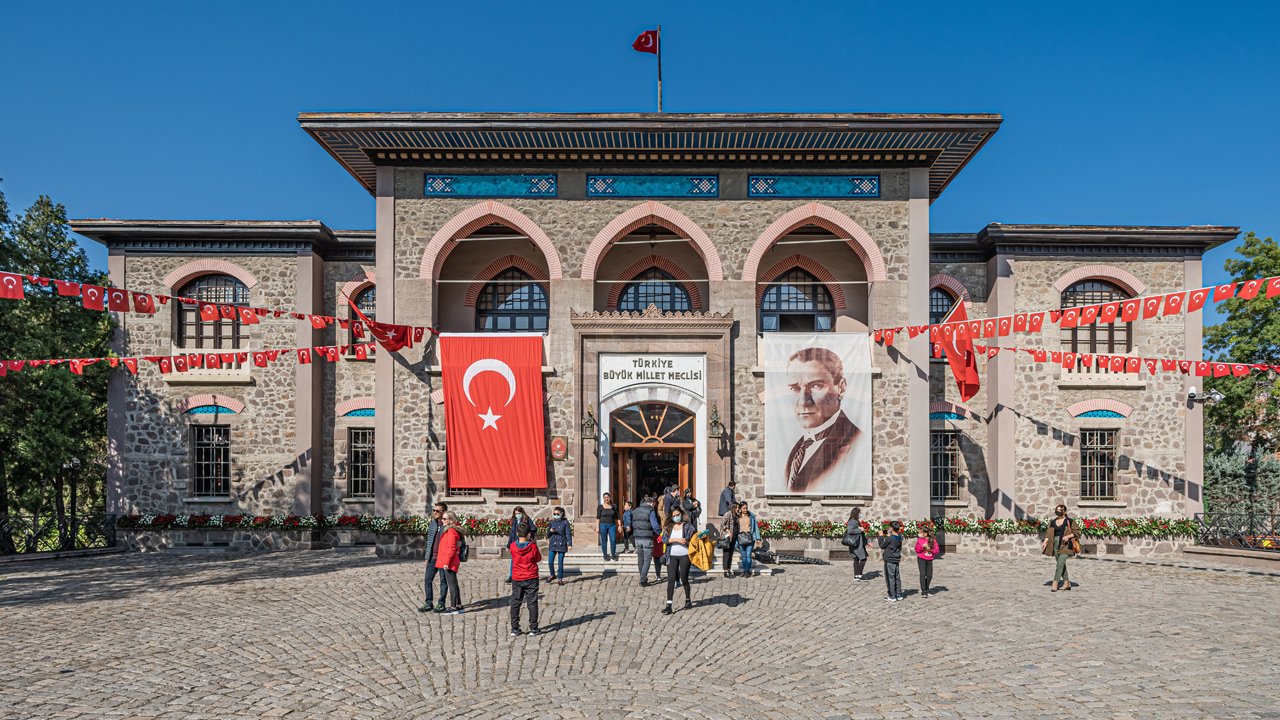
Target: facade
(677,242)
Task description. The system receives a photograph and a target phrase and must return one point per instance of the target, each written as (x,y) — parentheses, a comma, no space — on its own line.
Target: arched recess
(810,266)
(1107,404)
(348,406)
(475,217)
(499,266)
(186,273)
(943,406)
(1125,279)
(195,401)
(953,286)
(827,218)
(354,287)
(674,270)
(652,213)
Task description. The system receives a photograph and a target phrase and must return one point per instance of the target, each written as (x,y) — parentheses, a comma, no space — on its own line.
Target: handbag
(464,551)
(745,539)
(724,543)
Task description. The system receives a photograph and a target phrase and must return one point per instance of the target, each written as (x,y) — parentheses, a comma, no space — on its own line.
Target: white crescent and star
(495,366)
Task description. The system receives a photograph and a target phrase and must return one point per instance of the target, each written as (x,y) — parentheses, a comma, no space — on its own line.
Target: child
(524,580)
(659,556)
(626,527)
(891,552)
(926,551)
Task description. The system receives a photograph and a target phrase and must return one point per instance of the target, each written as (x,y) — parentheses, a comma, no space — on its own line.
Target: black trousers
(859,566)
(428,583)
(524,591)
(679,568)
(451,581)
(926,573)
(728,559)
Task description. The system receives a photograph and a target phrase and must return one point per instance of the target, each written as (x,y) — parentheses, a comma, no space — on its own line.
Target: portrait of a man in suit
(816,382)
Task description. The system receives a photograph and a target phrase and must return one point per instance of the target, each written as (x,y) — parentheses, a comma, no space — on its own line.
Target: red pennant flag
(166,365)
(1186,367)
(1086,359)
(273,355)
(1055,316)
(1239,370)
(78,365)
(1005,326)
(494,411)
(212,361)
(130,364)
(418,334)
(646,42)
(992,351)
(1129,310)
(195,360)
(878,336)
(989,328)
(1273,287)
(1117,363)
(247,316)
(1168,365)
(1151,366)
(362,353)
(304,356)
(1221,370)
(4,370)
(144,303)
(1224,292)
(935,334)
(962,331)
(228,312)
(888,337)
(980,349)
(1250,290)
(357,330)
(278,313)
(260,359)
(959,352)
(66,288)
(1151,307)
(1088,314)
(1035,322)
(1055,356)
(11,286)
(1070,318)
(1109,312)
(975,329)
(162,299)
(317,322)
(392,337)
(1068,360)
(1039,355)
(180,363)
(14,365)
(344,324)
(1133,365)
(117,300)
(1173,303)
(92,297)
(1020,322)
(208,313)
(227,358)
(1196,299)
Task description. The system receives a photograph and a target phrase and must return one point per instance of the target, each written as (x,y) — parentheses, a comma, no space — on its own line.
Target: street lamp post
(72,469)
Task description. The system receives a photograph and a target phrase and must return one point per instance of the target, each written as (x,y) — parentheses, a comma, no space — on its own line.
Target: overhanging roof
(225,236)
(942,142)
(1077,239)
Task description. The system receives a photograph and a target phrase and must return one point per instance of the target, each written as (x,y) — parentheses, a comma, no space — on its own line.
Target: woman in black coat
(856,540)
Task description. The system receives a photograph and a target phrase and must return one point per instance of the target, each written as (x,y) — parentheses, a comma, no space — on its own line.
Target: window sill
(1102,504)
(208,500)
(1097,383)
(951,503)
(463,500)
(521,500)
(359,500)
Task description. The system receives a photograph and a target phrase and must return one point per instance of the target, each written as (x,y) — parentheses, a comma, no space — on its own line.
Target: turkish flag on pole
(959,351)
(647,42)
(493,411)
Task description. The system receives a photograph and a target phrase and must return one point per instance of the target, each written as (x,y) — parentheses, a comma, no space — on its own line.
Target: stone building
(634,236)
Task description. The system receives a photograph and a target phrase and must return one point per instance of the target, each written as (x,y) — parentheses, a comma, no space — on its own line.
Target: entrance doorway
(653,449)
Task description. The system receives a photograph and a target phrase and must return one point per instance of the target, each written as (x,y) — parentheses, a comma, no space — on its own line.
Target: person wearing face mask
(559,542)
(748,536)
(520,520)
(607,516)
(676,535)
(692,507)
(1061,541)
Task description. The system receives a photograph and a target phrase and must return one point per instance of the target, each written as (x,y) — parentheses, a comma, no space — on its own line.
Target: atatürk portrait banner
(817,413)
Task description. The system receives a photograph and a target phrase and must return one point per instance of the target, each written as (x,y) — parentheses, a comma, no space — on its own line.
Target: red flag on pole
(647,42)
(493,411)
(959,351)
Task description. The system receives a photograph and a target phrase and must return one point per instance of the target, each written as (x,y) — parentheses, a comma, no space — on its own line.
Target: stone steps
(592,564)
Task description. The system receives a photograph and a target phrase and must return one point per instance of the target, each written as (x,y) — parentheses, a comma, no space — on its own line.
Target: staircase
(590,563)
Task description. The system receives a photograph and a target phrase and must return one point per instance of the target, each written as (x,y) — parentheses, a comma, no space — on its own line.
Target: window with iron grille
(211,460)
(221,334)
(360,471)
(512,302)
(944,464)
(1098,464)
(515,492)
(1098,337)
(940,303)
(654,287)
(461,492)
(796,301)
(367,302)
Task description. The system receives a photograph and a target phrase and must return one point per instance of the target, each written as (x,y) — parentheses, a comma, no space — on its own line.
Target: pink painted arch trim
(1085,406)
(1125,279)
(349,406)
(186,273)
(196,401)
(499,266)
(809,265)
(949,407)
(829,219)
(353,288)
(478,216)
(953,286)
(652,213)
(664,264)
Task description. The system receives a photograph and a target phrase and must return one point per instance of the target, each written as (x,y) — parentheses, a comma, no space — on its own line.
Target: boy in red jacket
(524,580)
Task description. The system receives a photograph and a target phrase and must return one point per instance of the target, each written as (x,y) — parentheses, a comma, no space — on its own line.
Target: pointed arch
(221,401)
(184,274)
(809,265)
(652,213)
(349,406)
(943,406)
(361,280)
(1103,404)
(499,266)
(1125,279)
(829,219)
(472,219)
(664,264)
(953,286)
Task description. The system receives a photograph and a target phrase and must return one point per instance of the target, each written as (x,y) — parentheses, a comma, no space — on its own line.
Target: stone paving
(335,634)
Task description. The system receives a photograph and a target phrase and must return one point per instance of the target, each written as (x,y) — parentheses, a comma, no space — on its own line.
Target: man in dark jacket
(434,530)
(645,527)
(728,498)
(891,551)
(670,501)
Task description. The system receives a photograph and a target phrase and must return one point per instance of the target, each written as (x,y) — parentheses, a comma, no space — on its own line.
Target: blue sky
(1126,113)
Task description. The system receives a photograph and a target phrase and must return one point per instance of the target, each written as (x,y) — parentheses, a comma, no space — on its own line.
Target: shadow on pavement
(580,620)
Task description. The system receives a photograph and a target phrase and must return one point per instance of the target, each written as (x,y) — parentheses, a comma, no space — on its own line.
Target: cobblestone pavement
(335,634)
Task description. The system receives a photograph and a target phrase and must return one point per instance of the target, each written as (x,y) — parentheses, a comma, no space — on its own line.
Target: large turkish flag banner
(495,435)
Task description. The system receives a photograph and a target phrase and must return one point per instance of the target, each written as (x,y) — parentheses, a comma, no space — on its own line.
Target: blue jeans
(609,533)
(744,556)
(555,563)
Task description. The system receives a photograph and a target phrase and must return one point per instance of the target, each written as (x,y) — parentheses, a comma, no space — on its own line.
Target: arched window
(1097,337)
(512,302)
(367,302)
(654,287)
(796,301)
(221,334)
(940,303)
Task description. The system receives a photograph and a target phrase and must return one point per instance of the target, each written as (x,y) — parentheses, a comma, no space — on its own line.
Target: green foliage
(1250,411)
(48,415)
(1226,485)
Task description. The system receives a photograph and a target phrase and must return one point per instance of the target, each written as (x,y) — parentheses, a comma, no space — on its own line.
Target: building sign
(559,447)
(687,372)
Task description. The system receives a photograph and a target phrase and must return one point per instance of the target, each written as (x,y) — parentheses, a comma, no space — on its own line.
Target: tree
(1249,413)
(49,415)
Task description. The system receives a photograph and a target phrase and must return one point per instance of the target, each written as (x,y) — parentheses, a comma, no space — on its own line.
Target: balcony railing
(1239,528)
(20,534)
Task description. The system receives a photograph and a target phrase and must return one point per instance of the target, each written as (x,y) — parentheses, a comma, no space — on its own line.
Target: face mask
(559,517)
(1061,512)
(519,515)
(676,518)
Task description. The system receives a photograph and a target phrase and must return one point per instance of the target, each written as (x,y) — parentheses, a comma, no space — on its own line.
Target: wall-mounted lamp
(715,428)
(1212,396)
(589,427)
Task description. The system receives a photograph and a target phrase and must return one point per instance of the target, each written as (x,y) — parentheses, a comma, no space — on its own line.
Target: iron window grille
(654,287)
(512,302)
(367,302)
(944,465)
(940,304)
(220,334)
(796,302)
(1115,338)
(516,492)
(360,472)
(1098,464)
(461,492)
(211,460)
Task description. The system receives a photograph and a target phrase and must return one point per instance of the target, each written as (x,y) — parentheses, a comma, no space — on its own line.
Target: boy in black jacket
(891,550)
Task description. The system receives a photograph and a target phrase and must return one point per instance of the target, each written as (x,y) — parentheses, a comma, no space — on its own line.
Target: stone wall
(344,381)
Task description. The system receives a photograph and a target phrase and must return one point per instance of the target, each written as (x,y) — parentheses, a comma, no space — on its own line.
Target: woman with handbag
(449,558)
(729,538)
(747,537)
(1061,541)
(676,536)
(856,540)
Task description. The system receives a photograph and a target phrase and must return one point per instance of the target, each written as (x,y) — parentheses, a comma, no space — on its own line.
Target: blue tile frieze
(813,186)
(651,186)
(489,186)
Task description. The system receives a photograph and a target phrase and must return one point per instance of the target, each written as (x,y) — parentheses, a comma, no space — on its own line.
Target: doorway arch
(683,402)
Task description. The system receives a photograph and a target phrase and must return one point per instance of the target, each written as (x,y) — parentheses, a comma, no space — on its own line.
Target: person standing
(729,537)
(524,580)
(645,528)
(607,517)
(435,529)
(856,540)
(692,507)
(676,536)
(559,542)
(891,553)
(670,501)
(728,498)
(520,520)
(747,536)
(1061,541)
(448,558)
(627,513)
(926,551)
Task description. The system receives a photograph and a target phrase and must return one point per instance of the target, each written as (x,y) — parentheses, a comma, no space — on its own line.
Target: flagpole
(659,68)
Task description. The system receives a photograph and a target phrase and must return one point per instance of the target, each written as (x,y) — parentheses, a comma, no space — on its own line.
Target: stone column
(1001,385)
(1193,428)
(384,364)
(117,389)
(307,384)
(918,348)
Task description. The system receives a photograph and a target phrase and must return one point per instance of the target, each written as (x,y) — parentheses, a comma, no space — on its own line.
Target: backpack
(464,550)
